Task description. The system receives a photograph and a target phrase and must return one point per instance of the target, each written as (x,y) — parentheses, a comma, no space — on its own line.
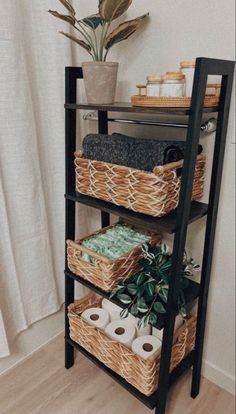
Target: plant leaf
(142,306)
(159,308)
(78,41)
(68,6)
(124,313)
(112,9)
(153,318)
(141,302)
(183,311)
(163,293)
(65,17)
(150,288)
(140,279)
(132,288)
(126,299)
(146,320)
(141,290)
(123,31)
(120,289)
(134,310)
(93,21)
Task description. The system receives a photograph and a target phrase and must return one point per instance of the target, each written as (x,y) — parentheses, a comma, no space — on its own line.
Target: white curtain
(32,62)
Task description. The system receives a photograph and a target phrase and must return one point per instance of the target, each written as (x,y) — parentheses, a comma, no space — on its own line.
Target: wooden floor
(41,385)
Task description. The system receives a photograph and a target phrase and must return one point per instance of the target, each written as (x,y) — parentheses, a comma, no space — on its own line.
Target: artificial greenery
(146,293)
(96,34)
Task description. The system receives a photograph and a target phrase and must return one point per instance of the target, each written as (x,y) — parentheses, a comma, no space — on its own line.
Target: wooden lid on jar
(187,64)
(141,85)
(174,76)
(154,78)
(213,85)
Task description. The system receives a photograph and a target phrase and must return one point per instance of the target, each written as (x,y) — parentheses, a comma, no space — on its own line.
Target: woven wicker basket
(105,273)
(154,194)
(142,374)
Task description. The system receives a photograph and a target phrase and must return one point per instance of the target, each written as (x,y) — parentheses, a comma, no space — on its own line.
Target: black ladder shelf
(176,222)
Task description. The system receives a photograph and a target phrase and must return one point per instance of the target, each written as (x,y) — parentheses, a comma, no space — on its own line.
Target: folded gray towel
(138,153)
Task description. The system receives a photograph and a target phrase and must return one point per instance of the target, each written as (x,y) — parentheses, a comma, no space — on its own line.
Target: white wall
(178,31)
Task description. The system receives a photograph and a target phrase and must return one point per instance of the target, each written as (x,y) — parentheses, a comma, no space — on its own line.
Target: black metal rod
(183,212)
(103,129)
(207,127)
(217,169)
(71,74)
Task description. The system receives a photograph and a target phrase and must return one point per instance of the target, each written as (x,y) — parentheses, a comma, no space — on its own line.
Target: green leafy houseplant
(146,293)
(95,33)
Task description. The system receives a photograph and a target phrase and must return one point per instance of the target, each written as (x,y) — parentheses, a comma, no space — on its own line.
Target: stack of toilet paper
(145,342)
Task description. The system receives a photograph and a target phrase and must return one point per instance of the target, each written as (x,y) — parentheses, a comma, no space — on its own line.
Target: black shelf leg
(103,129)
(69,298)
(211,225)
(183,212)
(71,75)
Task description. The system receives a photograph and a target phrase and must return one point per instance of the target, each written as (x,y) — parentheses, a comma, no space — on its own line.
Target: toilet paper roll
(147,347)
(146,330)
(113,310)
(159,333)
(121,331)
(97,317)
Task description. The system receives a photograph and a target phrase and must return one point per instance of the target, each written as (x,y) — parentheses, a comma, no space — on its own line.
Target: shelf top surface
(127,107)
(166,224)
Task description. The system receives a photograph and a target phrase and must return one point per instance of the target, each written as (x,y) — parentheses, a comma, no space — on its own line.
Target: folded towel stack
(138,153)
(115,243)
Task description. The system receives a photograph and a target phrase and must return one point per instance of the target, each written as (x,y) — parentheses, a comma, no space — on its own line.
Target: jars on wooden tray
(154,85)
(187,69)
(173,84)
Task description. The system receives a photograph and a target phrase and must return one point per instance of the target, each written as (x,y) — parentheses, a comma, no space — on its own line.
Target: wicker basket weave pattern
(142,374)
(105,273)
(154,194)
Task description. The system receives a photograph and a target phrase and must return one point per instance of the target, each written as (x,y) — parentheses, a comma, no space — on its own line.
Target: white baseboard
(219,377)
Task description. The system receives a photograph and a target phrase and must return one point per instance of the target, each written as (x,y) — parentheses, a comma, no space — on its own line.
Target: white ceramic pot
(100,80)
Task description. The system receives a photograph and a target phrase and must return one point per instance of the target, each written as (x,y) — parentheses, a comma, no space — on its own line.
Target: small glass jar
(173,84)
(213,89)
(154,85)
(188,69)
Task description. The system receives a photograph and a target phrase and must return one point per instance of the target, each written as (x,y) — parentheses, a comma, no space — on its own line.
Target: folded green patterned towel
(115,243)
(138,153)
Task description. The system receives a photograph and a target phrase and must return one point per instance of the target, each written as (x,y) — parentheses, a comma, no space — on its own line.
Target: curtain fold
(33,57)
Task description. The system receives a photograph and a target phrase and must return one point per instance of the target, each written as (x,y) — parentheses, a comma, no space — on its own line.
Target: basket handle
(161,169)
(84,249)
(78,154)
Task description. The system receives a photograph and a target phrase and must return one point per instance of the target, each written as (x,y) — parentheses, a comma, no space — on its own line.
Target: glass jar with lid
(154,85)
(173,84)
(188,69)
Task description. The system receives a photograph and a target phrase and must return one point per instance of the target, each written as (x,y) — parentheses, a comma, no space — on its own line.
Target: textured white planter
(100,80)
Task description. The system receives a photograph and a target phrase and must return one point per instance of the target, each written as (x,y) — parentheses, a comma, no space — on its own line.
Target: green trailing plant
(146,293)
(95,33)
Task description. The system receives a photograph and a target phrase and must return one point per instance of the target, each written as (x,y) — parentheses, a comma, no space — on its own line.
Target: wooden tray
(171,102)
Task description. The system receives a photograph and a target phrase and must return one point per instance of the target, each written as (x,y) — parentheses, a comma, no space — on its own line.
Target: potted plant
(97,36)
(146,293)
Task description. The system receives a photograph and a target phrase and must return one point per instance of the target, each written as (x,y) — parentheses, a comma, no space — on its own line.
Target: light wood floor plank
(41,385)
